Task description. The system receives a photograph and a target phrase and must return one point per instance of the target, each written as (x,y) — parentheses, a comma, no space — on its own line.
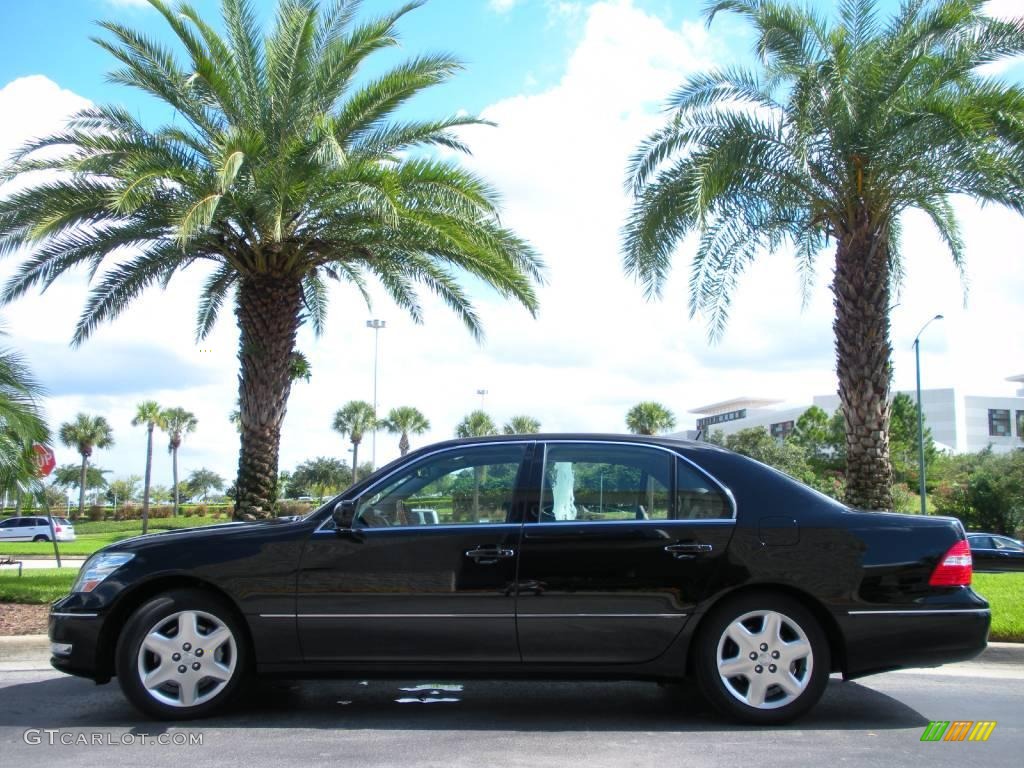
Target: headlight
(97,568)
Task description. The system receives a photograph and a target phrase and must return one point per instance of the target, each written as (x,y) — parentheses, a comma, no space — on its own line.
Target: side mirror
(344,513)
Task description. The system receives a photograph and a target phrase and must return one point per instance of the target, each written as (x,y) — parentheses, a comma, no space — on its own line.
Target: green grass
(36,586)
(134,527)
(93,536)
(1005,591)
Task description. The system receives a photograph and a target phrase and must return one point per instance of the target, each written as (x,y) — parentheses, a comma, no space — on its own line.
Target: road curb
(24,652)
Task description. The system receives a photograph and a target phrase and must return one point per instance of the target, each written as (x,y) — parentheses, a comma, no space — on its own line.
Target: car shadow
(67,702)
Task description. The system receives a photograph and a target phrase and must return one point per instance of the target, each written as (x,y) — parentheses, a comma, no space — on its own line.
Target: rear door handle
(688,550)
(489,555)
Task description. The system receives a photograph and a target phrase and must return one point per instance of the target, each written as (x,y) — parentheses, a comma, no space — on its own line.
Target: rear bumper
(883,640)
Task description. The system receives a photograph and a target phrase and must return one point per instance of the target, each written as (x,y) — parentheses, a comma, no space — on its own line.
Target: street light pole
(920,414)
(376,325)
(483,394)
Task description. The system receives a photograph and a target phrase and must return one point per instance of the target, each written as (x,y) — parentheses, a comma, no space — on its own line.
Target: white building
(959,422)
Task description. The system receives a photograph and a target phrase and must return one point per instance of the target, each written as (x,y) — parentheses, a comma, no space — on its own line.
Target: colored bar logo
(958,730)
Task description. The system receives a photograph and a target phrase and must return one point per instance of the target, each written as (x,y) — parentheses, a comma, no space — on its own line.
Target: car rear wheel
(41,537)
(762,658)
(181,655)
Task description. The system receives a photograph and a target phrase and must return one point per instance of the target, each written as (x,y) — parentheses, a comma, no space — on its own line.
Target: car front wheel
(762,658)
(181,655)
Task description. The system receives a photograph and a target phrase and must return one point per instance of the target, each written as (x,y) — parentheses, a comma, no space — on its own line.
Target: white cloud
(1004,9)
(1007,10)
(558,156)
(503,6)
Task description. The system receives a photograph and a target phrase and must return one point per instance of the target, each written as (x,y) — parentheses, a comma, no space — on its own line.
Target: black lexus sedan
(992,552)
(542,556)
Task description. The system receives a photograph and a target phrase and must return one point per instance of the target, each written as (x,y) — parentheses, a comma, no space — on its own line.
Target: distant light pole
(920,413)
(376,325)
(483,394)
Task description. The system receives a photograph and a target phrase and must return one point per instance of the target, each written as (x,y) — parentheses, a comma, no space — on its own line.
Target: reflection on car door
(616,553)
(400,586)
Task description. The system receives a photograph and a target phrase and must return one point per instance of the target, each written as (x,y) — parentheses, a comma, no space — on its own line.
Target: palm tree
(69,476)
(355,419)
(846,126)
(521,425)
(147,413)
(85,434)
(405,420)
(21,424)
(477,424)
(649,418)
(176,422)
(284,167)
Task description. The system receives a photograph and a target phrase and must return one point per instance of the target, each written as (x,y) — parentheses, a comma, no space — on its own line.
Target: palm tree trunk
(81,485)
(267,310)
(478,476)
(861,290)
(355,461)
(174,477)
(149,469)
(403,444)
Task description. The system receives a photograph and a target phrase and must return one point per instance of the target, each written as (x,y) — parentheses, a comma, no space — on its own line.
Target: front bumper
(81,631)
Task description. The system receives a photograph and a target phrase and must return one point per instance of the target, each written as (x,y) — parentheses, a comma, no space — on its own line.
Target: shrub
(163,511)
(96,513)
(287,508)
(903,500)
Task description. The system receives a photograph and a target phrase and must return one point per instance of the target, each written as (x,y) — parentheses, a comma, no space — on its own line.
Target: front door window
(472,486)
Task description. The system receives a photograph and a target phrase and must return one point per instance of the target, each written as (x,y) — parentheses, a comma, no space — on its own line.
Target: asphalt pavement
(876,721)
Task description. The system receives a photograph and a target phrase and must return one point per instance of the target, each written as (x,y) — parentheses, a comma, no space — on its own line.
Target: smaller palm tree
(147,413)
(521,425)
(477,424)
(405,420)
(176,422)
(355,419)
(649,418)
(85,434)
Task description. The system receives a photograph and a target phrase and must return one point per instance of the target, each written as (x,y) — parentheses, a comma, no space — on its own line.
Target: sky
(573,87)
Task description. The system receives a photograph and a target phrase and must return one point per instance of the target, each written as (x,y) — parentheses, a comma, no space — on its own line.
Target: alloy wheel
(187,658)
(764,659)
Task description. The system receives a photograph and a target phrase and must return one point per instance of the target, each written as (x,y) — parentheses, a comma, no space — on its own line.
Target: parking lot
(878,720)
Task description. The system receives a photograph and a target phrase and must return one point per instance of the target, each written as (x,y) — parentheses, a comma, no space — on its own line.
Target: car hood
(192,534)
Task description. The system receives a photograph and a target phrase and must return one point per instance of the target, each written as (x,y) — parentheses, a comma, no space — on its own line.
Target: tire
(41,537)
(762,691)
(172,632)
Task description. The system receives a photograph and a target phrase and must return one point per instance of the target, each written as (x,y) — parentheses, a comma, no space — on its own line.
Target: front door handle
(489,555)
(688,550)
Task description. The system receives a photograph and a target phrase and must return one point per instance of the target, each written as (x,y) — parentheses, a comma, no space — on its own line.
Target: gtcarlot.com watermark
(56,736)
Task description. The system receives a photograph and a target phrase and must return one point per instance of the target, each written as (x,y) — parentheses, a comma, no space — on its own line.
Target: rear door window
(605,483)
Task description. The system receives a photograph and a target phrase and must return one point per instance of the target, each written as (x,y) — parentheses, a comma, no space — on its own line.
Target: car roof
(605,437)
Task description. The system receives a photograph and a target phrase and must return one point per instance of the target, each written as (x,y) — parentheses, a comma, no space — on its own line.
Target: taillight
(57,529)
(955,568)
